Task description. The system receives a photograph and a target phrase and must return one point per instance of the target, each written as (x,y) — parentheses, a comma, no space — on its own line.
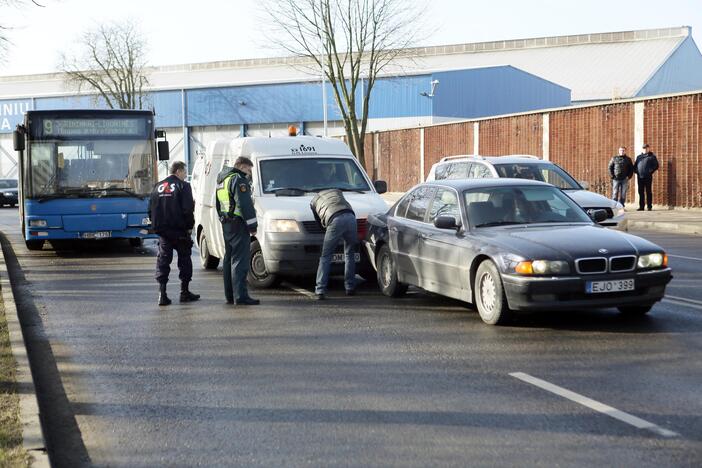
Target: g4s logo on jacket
(166,187)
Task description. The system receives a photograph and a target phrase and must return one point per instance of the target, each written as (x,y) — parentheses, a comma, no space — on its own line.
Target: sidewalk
(678,221)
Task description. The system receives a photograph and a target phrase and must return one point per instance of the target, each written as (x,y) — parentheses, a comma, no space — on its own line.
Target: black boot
(186,295)
(162,297)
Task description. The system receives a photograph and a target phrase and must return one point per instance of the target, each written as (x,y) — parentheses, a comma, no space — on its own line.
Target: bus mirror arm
(18,138)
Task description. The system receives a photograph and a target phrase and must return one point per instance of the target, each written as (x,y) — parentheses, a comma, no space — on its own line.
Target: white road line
(681,303)
(687,258)
(683,299)
(302,291)
(594,405)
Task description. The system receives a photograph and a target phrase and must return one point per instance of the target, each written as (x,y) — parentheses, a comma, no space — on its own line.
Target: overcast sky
(208,30)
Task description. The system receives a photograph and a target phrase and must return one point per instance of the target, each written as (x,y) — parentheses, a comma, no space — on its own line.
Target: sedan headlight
(654,260)
(37,223)
(283,225)
(542,267)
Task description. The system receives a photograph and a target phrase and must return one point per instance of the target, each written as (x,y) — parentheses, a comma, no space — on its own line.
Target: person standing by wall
(621,169)
(238,217)
(334,213)
(172,209)
(646,164)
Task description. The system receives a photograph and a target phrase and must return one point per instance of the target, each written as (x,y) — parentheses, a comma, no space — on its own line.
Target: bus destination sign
(92,127)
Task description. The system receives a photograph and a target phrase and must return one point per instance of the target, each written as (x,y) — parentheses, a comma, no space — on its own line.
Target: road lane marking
(687,258)
(302,291)
(683,299)
(682,303)
(594,405)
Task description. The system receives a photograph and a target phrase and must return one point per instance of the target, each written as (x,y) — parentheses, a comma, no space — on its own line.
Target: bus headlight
(543,267)
(283,225)
(653,260)
(37,223)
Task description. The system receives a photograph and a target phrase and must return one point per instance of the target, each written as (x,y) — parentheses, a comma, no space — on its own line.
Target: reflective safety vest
(227,206)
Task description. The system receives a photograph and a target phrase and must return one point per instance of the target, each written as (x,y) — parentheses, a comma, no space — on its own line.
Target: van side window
(419,204)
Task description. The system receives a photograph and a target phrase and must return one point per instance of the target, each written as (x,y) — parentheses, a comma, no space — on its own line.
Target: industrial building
(197,103)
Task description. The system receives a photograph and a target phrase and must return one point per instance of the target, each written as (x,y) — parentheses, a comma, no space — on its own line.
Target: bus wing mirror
(18,140)
(163,151)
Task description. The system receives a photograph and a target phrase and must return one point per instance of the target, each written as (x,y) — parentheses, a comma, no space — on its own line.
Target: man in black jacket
(172,210)
(646,164)
(334,213)
(621,169)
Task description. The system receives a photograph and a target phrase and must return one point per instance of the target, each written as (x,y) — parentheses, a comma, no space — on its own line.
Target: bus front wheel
(34,244)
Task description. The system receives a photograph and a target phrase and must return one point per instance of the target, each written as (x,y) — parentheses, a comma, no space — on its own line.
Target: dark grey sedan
(512,244)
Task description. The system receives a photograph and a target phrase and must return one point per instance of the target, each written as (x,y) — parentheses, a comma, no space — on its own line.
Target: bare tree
(112,62)
(4,28)
(351,41)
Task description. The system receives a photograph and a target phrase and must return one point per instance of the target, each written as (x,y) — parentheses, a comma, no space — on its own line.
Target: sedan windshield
(549,173)
(499,206)
(302,175)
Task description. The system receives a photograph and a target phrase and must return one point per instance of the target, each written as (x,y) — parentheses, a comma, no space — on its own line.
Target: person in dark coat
(334,213)
(621,169)
(172,212)
(645,166)
(237,214)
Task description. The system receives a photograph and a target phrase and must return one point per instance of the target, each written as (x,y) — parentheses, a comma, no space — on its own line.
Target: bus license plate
(339,257)
(96,235)
(594,287)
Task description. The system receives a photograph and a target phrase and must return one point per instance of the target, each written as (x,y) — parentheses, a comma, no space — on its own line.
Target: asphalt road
(361,381)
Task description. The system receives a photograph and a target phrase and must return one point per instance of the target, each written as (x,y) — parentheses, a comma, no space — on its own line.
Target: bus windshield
(86,167)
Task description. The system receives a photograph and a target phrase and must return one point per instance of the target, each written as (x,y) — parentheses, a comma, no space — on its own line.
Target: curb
(32,434)
(677,228)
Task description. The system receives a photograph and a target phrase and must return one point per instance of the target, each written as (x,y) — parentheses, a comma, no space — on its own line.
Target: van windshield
(311,174)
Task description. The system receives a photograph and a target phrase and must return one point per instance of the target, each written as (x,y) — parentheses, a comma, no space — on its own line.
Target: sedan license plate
(594,287)
(339,257)
(96,235)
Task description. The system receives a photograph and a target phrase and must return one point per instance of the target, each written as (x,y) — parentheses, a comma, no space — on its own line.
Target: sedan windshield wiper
(499,223)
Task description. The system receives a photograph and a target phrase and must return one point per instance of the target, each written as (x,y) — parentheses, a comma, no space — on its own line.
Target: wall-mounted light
(434,83)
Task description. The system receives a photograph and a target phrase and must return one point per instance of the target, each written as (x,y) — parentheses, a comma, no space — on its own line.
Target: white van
(287,173)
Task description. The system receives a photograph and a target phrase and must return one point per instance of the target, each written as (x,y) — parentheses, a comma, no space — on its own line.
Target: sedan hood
(587,199)
(569,241)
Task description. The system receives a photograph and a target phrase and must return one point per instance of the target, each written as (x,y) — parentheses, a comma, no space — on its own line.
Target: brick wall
(673,127)
(399,162)
(446,140)
(521,134)
(583,140)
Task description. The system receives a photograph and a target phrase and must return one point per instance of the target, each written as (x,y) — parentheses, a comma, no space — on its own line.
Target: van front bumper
(296,254)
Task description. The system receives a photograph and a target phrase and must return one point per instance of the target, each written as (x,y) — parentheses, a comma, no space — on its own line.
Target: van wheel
(208,262)
(258,276)
(490,295)
(387,274)
(34,244)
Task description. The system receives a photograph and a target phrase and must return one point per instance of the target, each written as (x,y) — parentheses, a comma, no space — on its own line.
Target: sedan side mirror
(598,215)
(380,186)
(445,222)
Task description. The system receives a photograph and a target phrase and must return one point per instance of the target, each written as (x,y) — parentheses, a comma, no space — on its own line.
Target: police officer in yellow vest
(238,216)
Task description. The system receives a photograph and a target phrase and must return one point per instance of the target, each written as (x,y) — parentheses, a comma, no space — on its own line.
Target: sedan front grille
(591,266)
(623,263)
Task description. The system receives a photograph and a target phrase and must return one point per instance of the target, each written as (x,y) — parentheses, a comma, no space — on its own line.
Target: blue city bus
(87,174)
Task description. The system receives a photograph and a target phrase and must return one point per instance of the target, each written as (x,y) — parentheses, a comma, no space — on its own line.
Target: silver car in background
(529,167)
